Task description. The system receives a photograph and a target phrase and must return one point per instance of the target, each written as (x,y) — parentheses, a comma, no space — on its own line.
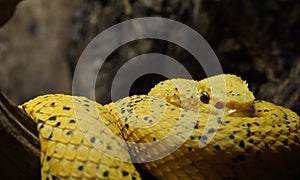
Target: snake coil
(210,129)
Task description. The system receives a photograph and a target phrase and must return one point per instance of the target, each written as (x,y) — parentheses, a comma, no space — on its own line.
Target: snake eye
(204,97)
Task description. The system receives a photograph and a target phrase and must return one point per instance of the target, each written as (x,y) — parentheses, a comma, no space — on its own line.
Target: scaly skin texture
(65,151)
(183,129)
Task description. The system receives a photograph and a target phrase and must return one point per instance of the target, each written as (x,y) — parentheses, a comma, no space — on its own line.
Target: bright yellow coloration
(65,151)
(183,129)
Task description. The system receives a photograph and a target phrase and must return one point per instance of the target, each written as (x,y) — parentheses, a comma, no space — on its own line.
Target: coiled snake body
(207,132)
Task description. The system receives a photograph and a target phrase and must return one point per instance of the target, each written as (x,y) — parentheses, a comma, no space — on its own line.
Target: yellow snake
(183,129)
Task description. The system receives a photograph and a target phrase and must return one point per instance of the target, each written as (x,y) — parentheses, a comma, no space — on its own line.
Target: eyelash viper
(220,133)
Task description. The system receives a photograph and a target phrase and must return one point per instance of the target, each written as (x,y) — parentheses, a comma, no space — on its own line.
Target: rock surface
(33,50)
(257,40)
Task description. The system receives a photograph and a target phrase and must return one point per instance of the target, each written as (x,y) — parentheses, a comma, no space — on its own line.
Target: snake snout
(230,107)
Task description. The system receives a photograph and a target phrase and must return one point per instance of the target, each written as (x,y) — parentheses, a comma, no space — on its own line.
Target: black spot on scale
(275,115)
(203,139)
(69,132)
(249,133)
(108,147)
(39,121)
(285,143)
(72,121)
(125,173)
(122,111)
(80,168)
(196,125)
(92,139)
(219,120)
(242,144)
(190,148)
(259,110)
(231,136)
(126,119)
(52,118)
(212,130)
(57,124)
(66,108)
(251,140)
(266,110)
(217,147)
(48,158)
(267,145)
(127,126)
(105,174)
(50,136)
(52,104)
(138,100)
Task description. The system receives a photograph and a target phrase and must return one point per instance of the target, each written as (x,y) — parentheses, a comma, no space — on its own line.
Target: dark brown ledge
(19,152)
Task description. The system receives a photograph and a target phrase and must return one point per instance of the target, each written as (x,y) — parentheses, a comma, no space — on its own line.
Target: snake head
(225,93)
(230,93)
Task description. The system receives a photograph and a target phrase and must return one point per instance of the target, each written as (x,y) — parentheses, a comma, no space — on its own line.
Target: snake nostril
(220,105)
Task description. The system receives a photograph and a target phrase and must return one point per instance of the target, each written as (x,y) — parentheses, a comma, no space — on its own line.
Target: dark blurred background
(257,40)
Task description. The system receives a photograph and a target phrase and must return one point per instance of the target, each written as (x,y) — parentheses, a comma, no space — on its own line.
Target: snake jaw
(225,108)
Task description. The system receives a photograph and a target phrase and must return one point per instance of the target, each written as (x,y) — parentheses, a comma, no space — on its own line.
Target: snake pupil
(204,97)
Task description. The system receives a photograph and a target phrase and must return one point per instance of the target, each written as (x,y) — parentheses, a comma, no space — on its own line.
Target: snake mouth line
(239,113)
